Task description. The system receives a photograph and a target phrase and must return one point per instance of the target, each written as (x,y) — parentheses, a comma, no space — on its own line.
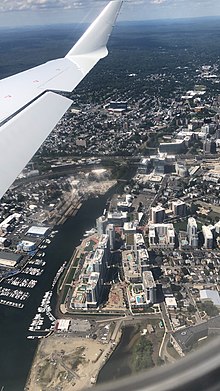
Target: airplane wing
(30,101)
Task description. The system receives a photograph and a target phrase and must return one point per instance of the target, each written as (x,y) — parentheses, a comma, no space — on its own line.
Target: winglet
(96,36)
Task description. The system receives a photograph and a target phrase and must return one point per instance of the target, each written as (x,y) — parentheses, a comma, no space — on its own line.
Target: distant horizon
(121,22)
(18,13)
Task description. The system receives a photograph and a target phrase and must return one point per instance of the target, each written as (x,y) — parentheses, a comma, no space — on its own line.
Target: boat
(60,271)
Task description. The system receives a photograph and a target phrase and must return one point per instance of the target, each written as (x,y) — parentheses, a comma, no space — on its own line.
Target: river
(119,364)
(16,351)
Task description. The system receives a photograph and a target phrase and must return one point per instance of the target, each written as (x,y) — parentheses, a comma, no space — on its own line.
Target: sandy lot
(66,362)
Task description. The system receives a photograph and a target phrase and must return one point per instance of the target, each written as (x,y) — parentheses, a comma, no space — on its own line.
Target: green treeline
(142,355)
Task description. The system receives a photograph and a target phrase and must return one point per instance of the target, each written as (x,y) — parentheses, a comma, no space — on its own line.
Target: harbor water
(16,351)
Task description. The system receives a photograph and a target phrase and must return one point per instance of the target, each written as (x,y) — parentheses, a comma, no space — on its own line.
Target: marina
(60,271)
(17,350)
(33,271)
(44,311)
(11,304)
(37,262)
(21,282)
(29,283)
(16,294)
(41,318)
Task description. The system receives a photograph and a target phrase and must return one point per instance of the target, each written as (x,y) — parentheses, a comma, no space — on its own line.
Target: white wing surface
(29,105)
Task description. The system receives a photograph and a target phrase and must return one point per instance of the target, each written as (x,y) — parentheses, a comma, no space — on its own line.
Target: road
(165,317)
(193,302)
(163,353)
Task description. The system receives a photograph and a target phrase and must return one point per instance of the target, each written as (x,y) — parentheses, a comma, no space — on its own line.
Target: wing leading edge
(29,112)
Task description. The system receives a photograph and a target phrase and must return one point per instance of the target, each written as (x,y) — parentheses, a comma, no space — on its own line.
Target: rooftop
(208,294)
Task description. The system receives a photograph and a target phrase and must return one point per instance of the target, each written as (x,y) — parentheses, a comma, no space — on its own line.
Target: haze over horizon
(43,12)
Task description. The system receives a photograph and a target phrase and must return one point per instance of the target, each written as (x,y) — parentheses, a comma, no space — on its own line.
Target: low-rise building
(184,339)
(210,295)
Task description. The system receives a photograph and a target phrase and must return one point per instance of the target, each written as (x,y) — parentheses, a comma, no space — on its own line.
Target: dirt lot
(67,362)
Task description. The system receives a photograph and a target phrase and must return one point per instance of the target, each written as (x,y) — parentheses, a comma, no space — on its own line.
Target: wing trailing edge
(22,136)
(30,108)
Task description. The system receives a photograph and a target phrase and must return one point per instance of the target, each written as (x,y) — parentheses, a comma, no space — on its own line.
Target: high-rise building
(150,287)
(161,235)
(209,146)
(143,260)
(171,236)
(208,237)
(101,224)
(139,242)
(144,166)
(217,135)
(110,230)
(93,290)
(88,290)
(205,129)
(159,164)
(192,232)
(157,214)
(181,169)
(178,208)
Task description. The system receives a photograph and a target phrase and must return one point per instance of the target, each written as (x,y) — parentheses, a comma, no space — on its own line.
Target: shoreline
(70,211)
(84,375)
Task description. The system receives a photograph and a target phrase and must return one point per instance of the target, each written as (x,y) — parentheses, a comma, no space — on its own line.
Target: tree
(191,309)
(179,296)
(142,354)
(194,208)
(209,308)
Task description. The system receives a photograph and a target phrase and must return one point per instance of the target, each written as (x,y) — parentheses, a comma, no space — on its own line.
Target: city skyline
(42,12)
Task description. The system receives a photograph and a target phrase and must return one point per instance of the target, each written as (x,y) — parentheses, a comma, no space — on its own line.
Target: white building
(37,231)
(162,235)
(93,289)
(210,295)
(181,169)
(150,288)
(5,224)
(217,227)
(130,228)
(171,303)
(27,246)
(205,130)
(101,224)
(88,290)
(208,237)
(192,232)
(111,233)
(139,242)
(126,204)
(63,325)
(117,218)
